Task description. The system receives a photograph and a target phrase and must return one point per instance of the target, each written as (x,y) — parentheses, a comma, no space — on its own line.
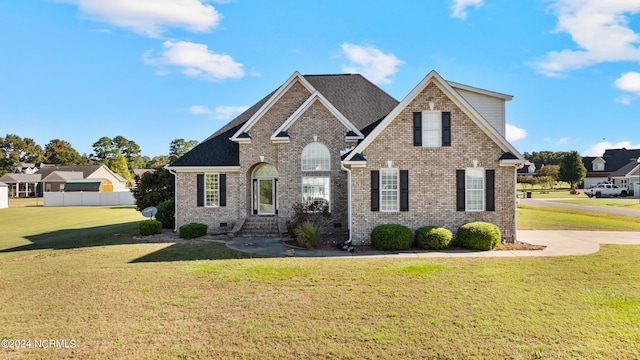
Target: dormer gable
(243,135)
(598,164)
(282,133)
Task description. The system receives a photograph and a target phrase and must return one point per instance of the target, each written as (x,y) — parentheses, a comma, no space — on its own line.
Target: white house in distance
(4,195)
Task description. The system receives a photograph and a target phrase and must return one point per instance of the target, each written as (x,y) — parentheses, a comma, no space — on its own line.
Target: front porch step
(257,226)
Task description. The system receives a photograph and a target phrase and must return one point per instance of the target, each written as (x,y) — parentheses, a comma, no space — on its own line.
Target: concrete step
(260,226)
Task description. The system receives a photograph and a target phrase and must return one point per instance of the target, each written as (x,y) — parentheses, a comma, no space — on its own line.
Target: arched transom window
(315,157)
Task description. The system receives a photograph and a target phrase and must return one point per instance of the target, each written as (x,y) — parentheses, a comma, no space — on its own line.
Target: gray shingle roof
(359,100)
(86,170)
(623,171)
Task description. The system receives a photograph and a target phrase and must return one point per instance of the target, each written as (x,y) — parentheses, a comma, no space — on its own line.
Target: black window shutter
(417,129)
(446,129)
(223,189)
(490,187)
(200,189)
(375,190)
(404,190)
(460,190)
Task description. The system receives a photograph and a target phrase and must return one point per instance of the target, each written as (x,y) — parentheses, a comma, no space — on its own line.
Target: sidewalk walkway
(559,243)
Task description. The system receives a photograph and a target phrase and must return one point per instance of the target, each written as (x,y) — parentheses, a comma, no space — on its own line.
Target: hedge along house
(340,143)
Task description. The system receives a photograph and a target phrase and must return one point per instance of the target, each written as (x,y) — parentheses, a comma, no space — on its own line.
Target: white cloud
(629,81)
(515,133)
(196,60)
(220,112)
(624,99)
(151,17)
(600,30)
(370,62)
(459,7)
(562,141)
(200,110)
(228,112)
(599,148)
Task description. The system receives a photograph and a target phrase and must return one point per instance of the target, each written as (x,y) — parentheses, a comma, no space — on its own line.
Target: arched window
(315,157)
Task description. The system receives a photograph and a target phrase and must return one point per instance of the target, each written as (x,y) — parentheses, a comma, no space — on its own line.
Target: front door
(265,194)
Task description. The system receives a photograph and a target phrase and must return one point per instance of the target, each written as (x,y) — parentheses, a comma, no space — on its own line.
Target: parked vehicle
(606,190)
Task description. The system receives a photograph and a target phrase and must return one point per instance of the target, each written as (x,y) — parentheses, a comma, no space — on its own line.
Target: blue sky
(156,70)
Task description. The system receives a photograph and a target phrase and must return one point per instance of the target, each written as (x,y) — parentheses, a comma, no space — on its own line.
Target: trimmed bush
(479,235)
(391,237)
(193,230)
(307,235)
(433,237)
(166,214)
(150,227)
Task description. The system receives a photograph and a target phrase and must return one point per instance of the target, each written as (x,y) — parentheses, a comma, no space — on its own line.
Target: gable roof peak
(434,77)
(295,77)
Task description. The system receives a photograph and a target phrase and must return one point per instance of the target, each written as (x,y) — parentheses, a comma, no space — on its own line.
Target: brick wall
(285,157)
(432,173)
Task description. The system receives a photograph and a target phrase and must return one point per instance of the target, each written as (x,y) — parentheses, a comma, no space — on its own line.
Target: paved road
(602,209)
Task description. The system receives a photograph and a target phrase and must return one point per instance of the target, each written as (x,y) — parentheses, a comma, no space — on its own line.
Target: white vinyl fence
(88,198)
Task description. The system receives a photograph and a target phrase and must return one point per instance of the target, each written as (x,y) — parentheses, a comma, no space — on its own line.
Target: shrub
(150,227)
(433,237)
(307,235)
(391,237)
(479,235)
(193,230)
(166,214)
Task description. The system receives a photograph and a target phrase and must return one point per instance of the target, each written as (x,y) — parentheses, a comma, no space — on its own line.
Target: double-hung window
(212,190)
(389,190)
(431,129)
(475,192)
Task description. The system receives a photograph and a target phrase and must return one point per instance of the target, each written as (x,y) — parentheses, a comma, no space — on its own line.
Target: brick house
(340,143)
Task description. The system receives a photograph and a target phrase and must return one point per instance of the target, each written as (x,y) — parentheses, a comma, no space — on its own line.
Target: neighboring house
(4,195)
(530,169)
(340,143)
(52,178)
(615,165)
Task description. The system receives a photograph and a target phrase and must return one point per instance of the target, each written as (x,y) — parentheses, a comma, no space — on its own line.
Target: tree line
(120,154)
(558,166)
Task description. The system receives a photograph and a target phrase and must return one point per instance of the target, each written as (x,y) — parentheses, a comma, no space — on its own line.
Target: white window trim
(316,176)
(483,190)
(207,191)
(425,115)
(397,191)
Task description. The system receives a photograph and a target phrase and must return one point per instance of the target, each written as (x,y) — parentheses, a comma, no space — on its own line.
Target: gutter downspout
(515,199)
(175,199)
(348,198)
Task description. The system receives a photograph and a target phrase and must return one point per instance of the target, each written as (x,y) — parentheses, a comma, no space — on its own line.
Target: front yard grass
(97,285)
(531,217)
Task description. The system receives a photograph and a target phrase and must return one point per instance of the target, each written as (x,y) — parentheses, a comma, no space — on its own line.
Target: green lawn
(78,274)
(549,218)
